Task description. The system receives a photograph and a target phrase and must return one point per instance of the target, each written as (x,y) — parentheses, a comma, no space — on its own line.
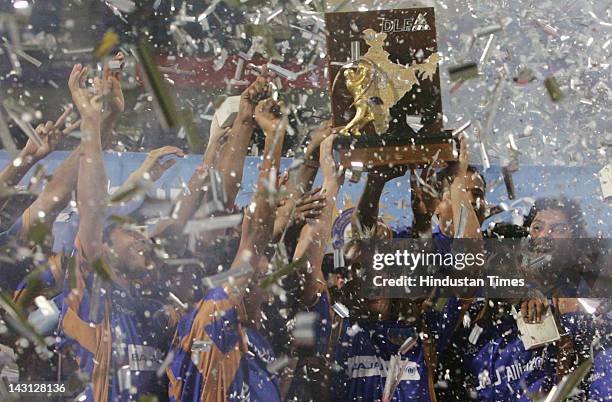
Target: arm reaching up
(466,190)
(51,133)
(91,185)
(217,136)
(424,199)
(461,199)
(232,154)
(300,182)
(316,233)
(226,153)
(258,221)
(110,85)
(57,192)
(365,216)
(152,168)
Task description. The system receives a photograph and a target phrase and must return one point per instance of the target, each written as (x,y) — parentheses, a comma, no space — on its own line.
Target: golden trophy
(386,101)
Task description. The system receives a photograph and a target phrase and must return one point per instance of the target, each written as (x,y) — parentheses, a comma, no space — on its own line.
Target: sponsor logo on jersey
(369,366)
(509,373)
(144,358)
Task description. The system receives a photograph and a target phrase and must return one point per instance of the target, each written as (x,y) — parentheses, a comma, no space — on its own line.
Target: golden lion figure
(358,79)
(377,84)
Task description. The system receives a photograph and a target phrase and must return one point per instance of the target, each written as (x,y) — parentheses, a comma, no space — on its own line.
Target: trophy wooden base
(397,155)
(419,152)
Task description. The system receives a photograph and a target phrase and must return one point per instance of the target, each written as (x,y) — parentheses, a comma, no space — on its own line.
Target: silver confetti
(227,276)
(341,309)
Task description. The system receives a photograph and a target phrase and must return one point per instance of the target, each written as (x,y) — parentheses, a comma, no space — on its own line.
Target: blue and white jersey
(364,350)
(500,367)
(217,358)
(121,344)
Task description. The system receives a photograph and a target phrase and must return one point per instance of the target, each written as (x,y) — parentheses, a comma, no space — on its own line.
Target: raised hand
(155,166)
(115,73)
(534,310)
(112,86)
(259,90)
(109,87)
(309,206)
(89,106)
(317,137)
(50,134)
(269,117)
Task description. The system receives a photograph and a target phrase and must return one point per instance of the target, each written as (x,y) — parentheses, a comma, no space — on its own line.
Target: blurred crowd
(220,303)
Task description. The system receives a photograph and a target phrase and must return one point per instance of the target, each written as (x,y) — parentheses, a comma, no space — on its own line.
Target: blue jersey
(442,243)
(121,345)
(364,349)
(323,325)
(501,368)
(217,358)
(302,386)
(601,377)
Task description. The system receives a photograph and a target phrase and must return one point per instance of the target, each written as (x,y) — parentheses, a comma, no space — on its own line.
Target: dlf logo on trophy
(407,24)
